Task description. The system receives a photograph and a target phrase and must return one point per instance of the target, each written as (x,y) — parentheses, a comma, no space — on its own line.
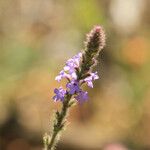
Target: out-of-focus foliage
(35,40)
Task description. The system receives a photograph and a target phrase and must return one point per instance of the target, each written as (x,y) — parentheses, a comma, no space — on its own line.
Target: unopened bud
(95,40)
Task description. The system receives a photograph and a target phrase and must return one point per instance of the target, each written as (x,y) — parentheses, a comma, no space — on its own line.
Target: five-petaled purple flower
(82,96)
(61,75)
(73,87)
(89,79)
(60,94)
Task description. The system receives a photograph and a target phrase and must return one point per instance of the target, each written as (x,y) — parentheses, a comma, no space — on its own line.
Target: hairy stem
(59,122)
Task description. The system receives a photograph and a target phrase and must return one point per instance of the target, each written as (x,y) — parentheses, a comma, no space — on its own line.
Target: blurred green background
(37,37)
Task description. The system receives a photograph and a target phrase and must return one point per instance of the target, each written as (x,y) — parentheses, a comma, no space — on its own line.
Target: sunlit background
(37,37)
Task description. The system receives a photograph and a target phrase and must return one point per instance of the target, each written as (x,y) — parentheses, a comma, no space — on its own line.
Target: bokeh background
(37,37)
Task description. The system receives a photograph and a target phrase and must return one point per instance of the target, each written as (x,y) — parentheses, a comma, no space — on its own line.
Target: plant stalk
(59,123)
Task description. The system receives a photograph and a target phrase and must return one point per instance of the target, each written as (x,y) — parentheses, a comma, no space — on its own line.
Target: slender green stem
(60,121)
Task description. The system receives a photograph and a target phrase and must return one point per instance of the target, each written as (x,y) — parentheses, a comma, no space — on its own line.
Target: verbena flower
(89,80)
(62,75)
(73,87)
(78,70)
(82,96)
(73,63)
(60,94)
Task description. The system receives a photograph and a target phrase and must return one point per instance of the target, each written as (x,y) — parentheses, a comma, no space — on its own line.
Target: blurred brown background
(38,36)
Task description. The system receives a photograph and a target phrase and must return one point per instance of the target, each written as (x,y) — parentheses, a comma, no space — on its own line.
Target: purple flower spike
(78,71)
(88,80)
(73,87)
(82,96)
(61,75)
(60,94)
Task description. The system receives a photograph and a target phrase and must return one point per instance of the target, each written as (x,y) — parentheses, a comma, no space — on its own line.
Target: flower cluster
(78,69)
(73,86)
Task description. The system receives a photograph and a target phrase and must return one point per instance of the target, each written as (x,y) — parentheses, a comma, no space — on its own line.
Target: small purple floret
(60,94)
(89,79)
(94,75)
(73,87)
(73,63)
(82,96)
(70,66)
(62,75)
(77,59)
(73,76)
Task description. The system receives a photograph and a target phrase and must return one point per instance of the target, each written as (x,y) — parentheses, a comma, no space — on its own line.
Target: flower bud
(95,40)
